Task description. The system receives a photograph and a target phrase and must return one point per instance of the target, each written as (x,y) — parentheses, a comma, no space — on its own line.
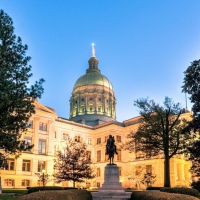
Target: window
(91,99)
(99,99)
(9,182)
(40,183)
(82,99)
(43,126)
(149,169)
(90,109)
(41,166)
(26,165)
(119,155)
(88,155)
(118,138)
(77,138)
(55,134)
(65,136)
(10,164)
(98,140)
(99,156)
(25,183)
(120,171)
(83,109)
(98,172)
(98,184)
(42,146)
(106,138)
(30,124)
(28,141)
(89,140)
(99,108)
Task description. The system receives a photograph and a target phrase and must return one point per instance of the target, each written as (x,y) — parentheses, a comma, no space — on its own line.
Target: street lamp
(43,178)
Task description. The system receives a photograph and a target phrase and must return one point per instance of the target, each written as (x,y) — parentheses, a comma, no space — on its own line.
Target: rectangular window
(43,126)
(41,166)
(42,146)
(65,136)
(30,124)
(98,184)
(120,171)
(88,155)
(99,156)
(9,182)
(118,138)
(98,172)
(83,109)
(98,140)
(99,108)
(26,165)
(89,140)
(10,164)
(55,134)
(77,138)
(25,183)
(119,157)
(149,169)
(28,141)
(90,109)
(106,138)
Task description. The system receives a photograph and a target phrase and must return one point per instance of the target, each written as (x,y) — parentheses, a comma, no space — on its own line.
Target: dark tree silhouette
(160,132)
(73,164)
(16,97)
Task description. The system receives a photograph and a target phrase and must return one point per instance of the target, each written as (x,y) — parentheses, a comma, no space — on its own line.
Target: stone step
(111,196)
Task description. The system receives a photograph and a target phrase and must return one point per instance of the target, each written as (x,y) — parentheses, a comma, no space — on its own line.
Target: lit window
(43,126)
(28,141)
(9,182)
(88,155)
(77,138)
(98,140)
(65,136)
(30,124)
(26,165)
(89,140)
(119,155)
(98,171)
(10,164)
(42,146)
(25,183)
(99,109)
(99,156)
(118,138)
(41,166)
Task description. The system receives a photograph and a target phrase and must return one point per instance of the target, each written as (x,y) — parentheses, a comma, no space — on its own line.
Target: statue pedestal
(111,188)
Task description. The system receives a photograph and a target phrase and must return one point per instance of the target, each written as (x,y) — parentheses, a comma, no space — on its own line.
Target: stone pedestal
(111,188)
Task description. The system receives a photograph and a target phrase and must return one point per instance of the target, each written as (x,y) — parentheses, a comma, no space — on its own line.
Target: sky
(143,47)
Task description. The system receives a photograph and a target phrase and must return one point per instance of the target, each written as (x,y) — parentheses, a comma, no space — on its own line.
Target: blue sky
(143,47)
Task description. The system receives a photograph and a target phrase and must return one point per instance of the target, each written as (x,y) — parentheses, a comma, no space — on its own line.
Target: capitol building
(92,118)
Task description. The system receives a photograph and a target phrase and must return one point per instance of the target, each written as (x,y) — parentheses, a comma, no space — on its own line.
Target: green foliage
(152,195)
(73,164)
(188,191)
(44,177)
(160,132)
(196,185)
(16,98)
(153,188)
(36,189)
(58,195)
(195,158)
(192,87)
(16,191)
(148,179)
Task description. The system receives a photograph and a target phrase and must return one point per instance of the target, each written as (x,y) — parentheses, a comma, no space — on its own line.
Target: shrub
(69,188)
(196,185)
(153,188)
(58,195)
(188,191)
(36,189)
(150,195)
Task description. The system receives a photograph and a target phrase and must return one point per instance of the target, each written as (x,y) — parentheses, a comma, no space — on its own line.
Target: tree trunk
(167,171)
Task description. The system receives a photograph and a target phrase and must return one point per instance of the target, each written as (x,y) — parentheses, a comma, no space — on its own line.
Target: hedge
(153,188)
(196,185)
(36,189)
(188,191)
(152,195)
(58,195)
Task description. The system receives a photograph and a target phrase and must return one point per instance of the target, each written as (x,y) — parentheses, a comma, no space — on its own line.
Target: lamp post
(43,178)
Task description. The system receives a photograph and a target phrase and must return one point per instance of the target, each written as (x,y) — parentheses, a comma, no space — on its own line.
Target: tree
(43,177)
(191,85)
(16,98)
(160,132)
(73,164)
(195,158)
(148,179)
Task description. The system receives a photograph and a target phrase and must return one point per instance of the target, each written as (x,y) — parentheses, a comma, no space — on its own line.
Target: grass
(7,197)
(18,191)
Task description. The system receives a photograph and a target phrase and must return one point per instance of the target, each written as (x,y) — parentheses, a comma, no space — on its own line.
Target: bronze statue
(111,148)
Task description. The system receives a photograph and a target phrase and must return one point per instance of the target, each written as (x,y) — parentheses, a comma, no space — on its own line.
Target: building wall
(54,137)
